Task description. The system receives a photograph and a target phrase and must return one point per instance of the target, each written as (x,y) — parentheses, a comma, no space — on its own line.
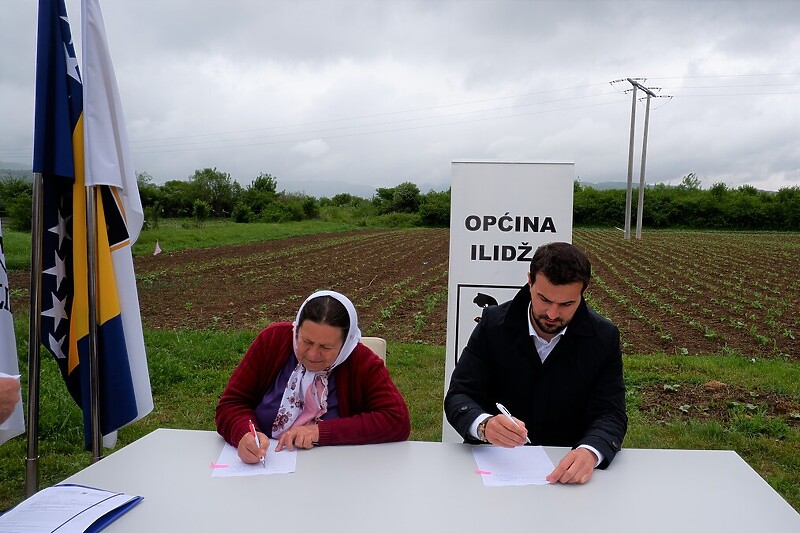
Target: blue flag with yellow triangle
(64,152)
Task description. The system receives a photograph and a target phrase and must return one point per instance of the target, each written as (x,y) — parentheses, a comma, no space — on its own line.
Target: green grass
(181,234)
(16,248)
(776,375)
(177,234)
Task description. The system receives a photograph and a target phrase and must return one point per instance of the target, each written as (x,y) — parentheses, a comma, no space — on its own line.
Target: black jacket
(577,396)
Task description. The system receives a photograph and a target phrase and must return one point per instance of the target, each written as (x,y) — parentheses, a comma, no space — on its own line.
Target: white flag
(108,163)
(108,158)
(9,365)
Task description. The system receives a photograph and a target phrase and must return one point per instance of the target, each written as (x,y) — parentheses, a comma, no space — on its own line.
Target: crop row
(679,288)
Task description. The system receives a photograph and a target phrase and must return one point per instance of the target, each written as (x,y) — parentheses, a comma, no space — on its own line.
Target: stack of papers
(67,507)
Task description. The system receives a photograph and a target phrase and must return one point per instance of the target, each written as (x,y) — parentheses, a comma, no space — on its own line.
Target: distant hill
(329,189)
(603,185)
(15,170)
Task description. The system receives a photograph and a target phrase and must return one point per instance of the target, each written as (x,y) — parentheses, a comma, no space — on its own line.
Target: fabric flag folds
(80,140)
(9,364)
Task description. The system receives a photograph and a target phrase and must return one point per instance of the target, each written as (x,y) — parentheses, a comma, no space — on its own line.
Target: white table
(431,486)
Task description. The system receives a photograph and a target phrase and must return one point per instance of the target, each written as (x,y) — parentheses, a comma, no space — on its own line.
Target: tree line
(688,205)
(210,193)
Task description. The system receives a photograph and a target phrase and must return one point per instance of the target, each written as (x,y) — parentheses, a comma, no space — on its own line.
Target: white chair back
(377,345)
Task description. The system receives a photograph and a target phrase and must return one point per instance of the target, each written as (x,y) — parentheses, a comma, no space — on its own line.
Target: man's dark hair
(327,311)
(561,263)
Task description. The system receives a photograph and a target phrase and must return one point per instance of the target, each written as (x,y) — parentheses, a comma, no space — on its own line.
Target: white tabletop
(431,486)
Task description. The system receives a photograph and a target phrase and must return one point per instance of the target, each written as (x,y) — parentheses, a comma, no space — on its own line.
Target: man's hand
(576,467)
(501,431)
(300,437)
(9,396)
(247,449)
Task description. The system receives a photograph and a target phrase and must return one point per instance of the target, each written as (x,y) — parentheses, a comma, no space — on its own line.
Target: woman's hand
(300,437)
(248,451)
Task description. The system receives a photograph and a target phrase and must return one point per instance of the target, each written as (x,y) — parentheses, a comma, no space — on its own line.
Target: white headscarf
(306,386)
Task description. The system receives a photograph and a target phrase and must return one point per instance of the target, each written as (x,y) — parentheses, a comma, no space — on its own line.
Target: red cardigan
(371,408)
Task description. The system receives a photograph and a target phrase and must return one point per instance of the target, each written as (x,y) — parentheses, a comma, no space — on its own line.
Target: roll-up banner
(500,212)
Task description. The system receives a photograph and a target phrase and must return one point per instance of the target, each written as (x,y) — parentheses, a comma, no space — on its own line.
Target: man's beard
(546,328)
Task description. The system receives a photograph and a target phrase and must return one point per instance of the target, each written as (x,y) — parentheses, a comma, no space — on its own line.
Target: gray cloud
(375,93)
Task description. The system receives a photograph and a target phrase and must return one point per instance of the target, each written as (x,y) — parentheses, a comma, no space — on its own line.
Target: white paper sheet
(523,465)
(282,462)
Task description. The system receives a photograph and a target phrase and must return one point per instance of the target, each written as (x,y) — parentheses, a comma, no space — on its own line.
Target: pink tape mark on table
(483,472)
(218,465)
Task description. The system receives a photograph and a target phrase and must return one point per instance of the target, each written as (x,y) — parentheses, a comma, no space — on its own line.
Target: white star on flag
(55,346)
(72,65)
(59,270)
(58,311)
(71,62)
(61,229)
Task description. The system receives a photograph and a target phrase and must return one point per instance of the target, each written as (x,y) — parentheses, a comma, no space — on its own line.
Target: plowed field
(672,292)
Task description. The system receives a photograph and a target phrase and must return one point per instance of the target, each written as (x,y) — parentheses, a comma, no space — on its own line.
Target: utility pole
(630,165)
(640,203)
(629,191)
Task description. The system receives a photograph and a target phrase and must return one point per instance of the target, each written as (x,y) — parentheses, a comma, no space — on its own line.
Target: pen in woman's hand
(507,414)
(258,443)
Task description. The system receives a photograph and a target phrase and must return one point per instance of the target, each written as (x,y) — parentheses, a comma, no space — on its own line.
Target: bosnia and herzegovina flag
(79,141)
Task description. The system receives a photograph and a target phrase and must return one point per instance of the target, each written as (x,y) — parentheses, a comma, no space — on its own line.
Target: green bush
(282,211)
(242,213)
(291,207)
(310,207)
(397,220)
(405,198)
(152,216)
(200,211)
(19,209)
(435,209)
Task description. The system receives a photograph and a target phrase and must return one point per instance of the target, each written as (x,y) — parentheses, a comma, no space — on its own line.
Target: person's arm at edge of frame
(9,397)
(378,411)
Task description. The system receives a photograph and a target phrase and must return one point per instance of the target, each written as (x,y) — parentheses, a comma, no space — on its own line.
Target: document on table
(523,465)
(229,464)
(67,507)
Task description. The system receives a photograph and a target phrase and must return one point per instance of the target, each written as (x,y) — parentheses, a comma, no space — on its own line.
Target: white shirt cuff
(473,429)
(593,450)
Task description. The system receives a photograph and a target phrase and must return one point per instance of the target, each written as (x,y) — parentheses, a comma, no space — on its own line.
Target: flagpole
(94,365)
(34,345)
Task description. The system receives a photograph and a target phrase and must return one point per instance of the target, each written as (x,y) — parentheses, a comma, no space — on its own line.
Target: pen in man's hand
(507,414)
(258,443)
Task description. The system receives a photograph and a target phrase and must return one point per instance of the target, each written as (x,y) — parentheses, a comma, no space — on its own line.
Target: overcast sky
(375,93)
